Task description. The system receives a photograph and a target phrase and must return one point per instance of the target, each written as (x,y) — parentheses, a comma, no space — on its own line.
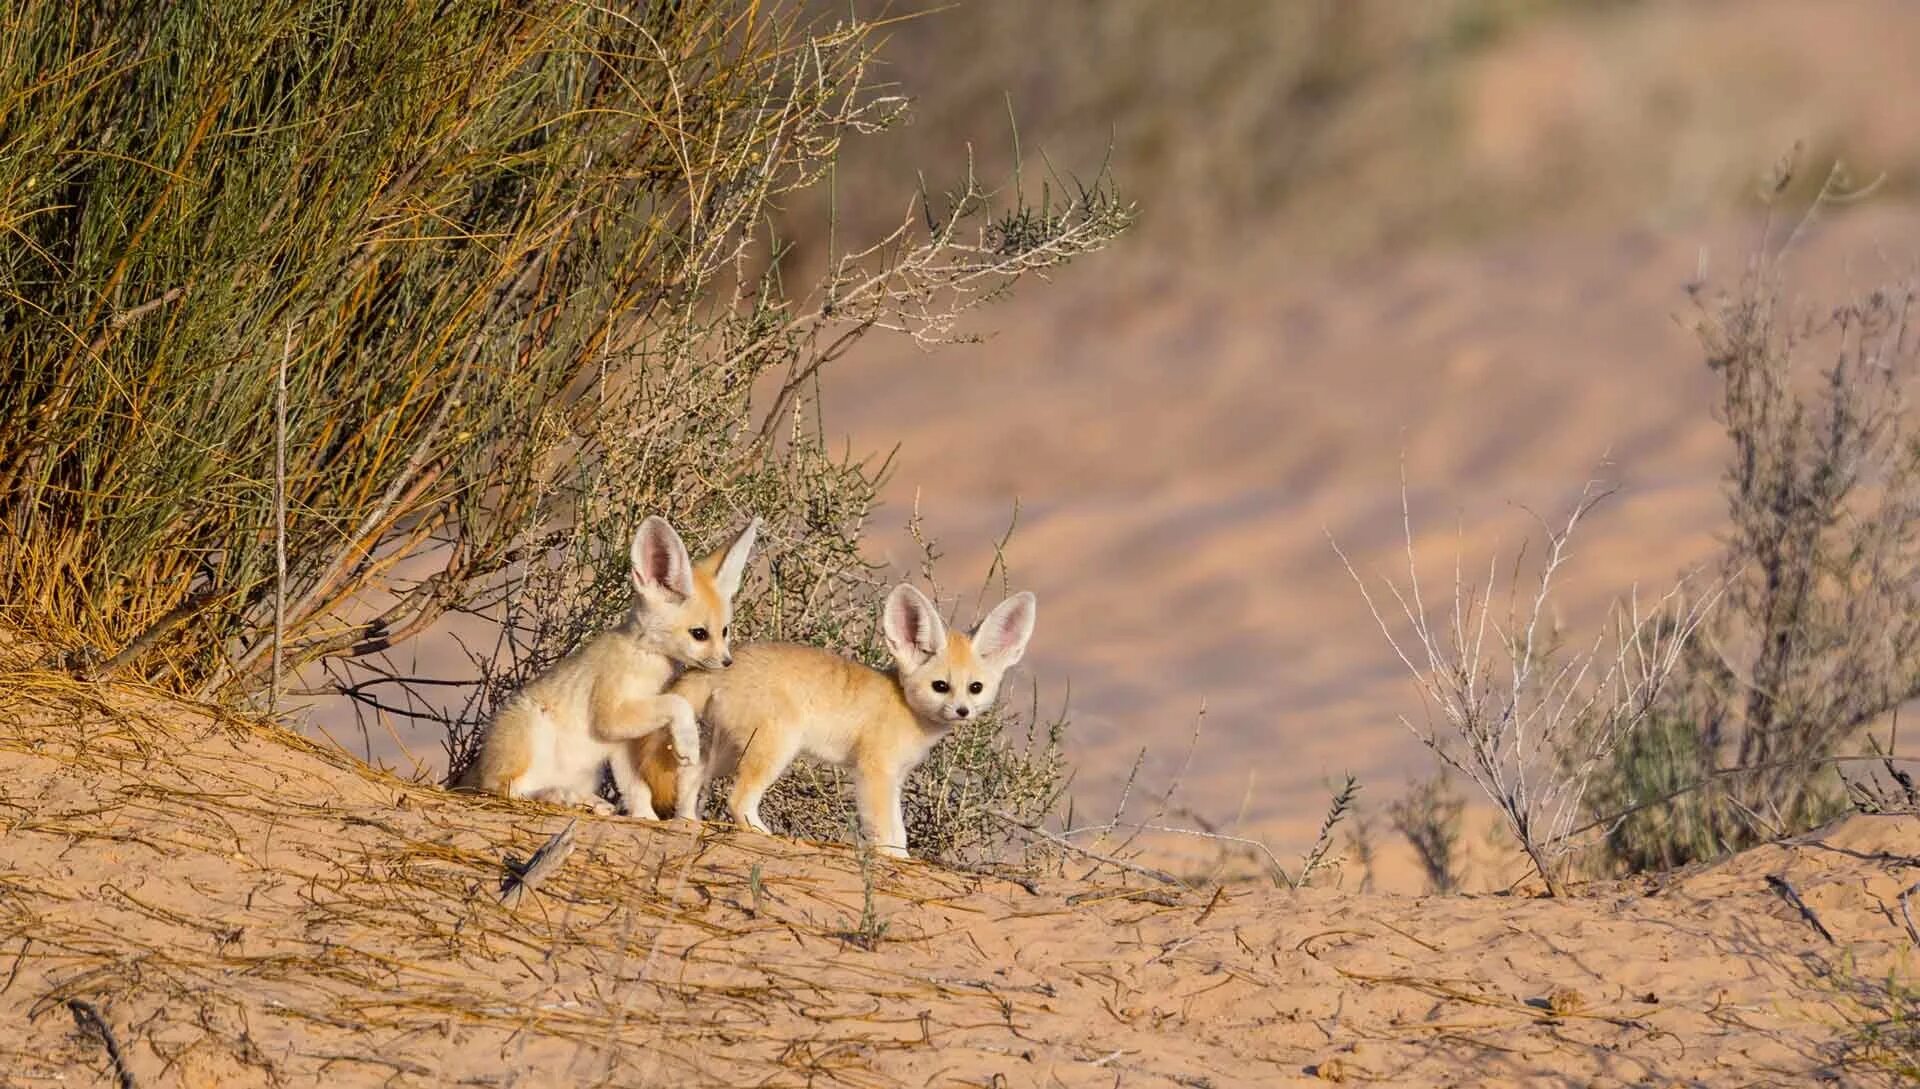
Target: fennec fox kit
(781,700)
(549,740)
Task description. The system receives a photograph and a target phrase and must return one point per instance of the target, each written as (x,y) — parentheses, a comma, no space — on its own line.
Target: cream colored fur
(549,740)
(780,701)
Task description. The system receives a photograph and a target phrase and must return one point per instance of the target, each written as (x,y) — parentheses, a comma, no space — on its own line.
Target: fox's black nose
(727,661)
(961,711)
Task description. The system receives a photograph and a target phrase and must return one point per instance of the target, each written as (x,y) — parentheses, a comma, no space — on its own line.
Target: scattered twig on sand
(1906,911)
(524,877)
(1787,892)
(1161,876)
(1027,883)
(1219,891)
(87,1016)
(1150,896)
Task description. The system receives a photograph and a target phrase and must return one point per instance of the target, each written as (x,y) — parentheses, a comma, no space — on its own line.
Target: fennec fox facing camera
(549,740)
(781,700)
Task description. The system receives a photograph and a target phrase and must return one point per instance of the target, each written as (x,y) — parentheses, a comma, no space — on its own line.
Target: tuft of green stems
(1337,810)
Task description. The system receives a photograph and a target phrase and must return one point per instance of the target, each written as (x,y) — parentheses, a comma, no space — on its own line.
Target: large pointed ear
(729,566)
(1001,638)
(660,563)
(913,627)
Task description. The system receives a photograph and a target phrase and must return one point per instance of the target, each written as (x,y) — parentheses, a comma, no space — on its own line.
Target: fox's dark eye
(941,686)
(699,634)
(726,632)
(976,688)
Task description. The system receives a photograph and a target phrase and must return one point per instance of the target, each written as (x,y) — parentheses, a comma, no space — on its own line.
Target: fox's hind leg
(636,797)
(570,796)
(506,752)
(766,758)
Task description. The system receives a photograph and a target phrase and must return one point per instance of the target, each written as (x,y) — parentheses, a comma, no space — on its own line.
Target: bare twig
(88,1018)
(524,877)
(1161,876)
(1791,895)
(279,517)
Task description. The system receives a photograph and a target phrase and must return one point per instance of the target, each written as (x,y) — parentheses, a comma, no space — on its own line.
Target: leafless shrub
(1819,636)
(1526,718)
(1429,816)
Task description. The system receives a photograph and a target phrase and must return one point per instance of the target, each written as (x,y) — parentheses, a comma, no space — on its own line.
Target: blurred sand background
(1457,232)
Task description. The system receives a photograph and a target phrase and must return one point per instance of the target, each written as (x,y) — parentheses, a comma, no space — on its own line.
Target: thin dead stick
(1060,841)
(1787,892)
(524,877)
(127,317)
(154,632)
(279,516)
(1906,912)
(87,1016)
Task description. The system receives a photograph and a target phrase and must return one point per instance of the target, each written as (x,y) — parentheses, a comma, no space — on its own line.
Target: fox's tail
(506,752)
(666,777)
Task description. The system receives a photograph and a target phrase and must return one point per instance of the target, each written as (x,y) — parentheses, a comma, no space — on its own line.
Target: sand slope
(247,910)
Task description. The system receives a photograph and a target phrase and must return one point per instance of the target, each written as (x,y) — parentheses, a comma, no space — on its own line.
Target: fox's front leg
(877,793)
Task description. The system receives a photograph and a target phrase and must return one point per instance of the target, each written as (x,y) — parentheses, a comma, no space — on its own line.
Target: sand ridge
(245,908)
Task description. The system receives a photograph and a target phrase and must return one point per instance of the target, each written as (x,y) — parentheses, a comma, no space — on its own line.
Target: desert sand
(241,907)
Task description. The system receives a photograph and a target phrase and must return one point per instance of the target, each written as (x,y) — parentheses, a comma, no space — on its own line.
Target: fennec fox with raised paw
(781,700)
(549,740)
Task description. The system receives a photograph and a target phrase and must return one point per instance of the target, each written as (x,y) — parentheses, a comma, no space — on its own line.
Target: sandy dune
(244,909)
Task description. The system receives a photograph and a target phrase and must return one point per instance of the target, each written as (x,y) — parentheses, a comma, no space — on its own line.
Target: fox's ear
(1001,638)
(660,563)
(730,566)
(913,627)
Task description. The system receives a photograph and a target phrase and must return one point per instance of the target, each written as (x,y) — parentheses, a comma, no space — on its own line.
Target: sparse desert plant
(1879,1038)
(1819,635)
(1524,716)
(1362,845)
(1429,815)
(1339,808)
